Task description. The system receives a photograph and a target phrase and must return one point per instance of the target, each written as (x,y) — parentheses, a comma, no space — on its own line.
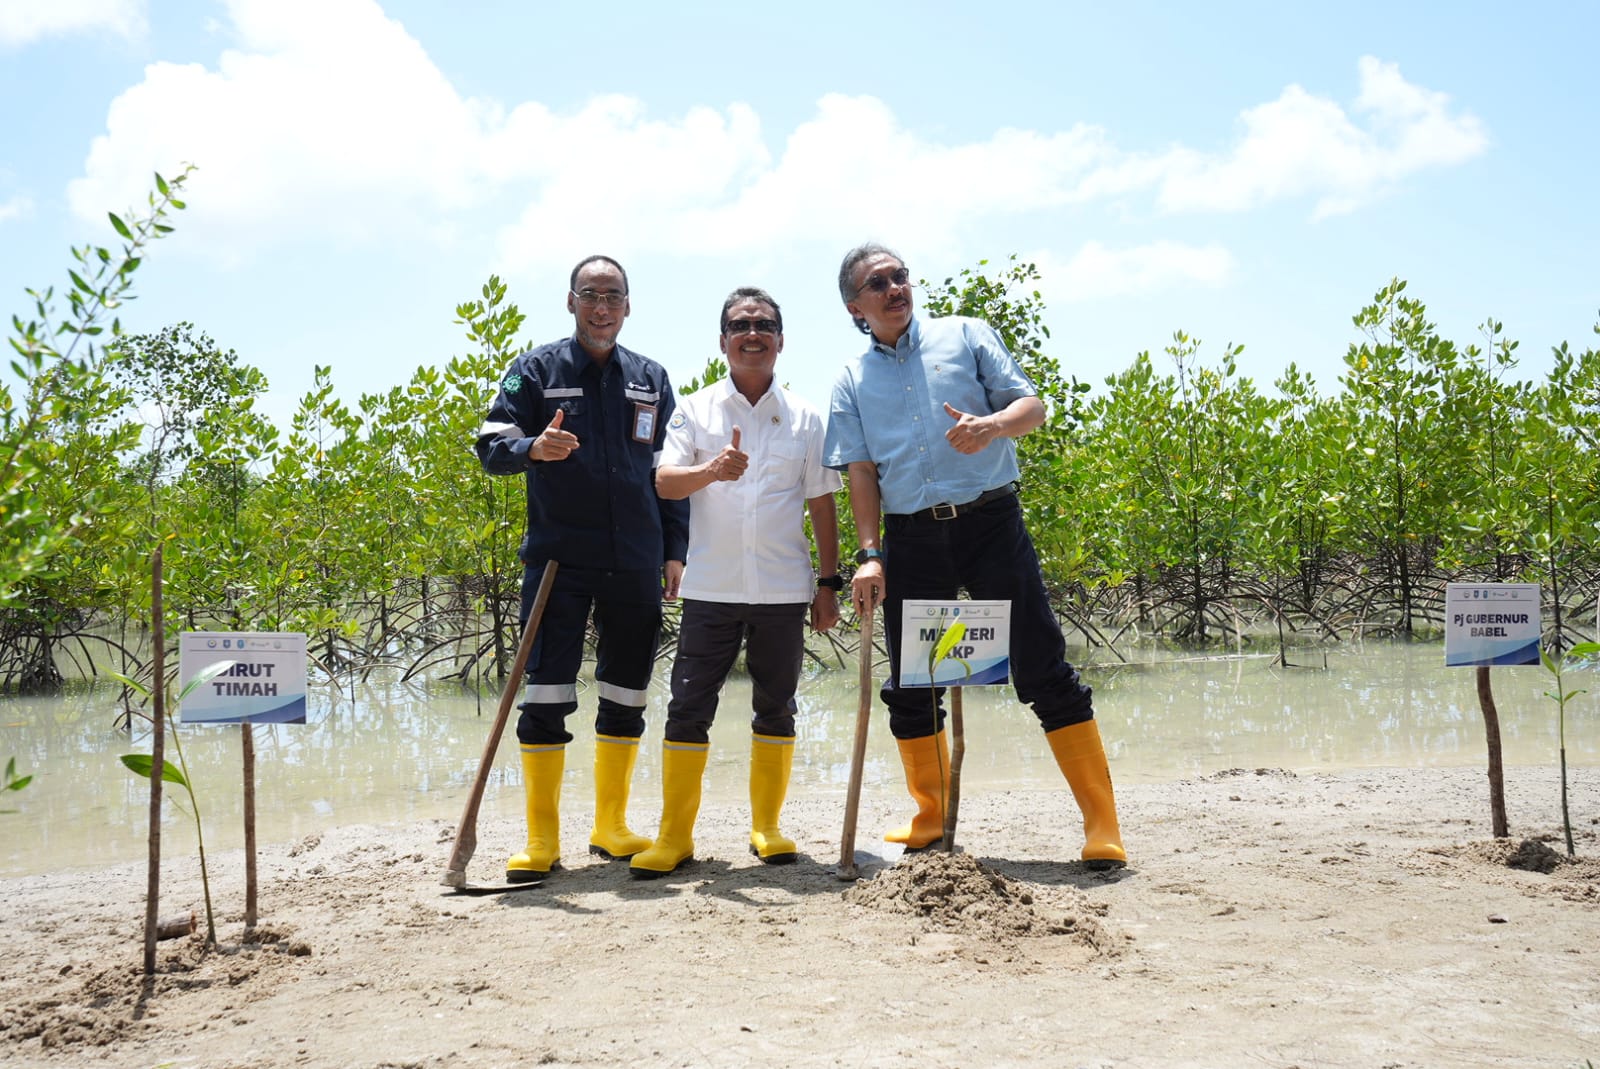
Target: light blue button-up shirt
(888,408)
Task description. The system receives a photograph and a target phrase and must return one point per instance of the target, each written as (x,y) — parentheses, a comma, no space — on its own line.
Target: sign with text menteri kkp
(1491,623)
(265,684)
(981,657)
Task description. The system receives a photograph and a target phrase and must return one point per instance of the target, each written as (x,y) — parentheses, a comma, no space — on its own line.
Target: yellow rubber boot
(542,765)
(614,756)
(683,765)
(771,758)
(1081,757)
(927,763)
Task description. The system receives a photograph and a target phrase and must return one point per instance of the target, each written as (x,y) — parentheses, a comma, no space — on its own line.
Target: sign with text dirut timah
(265,684)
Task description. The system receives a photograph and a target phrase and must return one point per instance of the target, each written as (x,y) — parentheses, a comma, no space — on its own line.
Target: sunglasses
(745,326)
(881,283)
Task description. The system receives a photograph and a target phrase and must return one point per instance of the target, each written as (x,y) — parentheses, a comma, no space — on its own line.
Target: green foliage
(1010,302)
(1399,421)
(1179,500)
(716,370)
(58,437)
(1188,450)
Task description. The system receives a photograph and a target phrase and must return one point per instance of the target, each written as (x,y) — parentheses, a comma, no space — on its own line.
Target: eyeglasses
(590,298)
(881,283)
(745,326)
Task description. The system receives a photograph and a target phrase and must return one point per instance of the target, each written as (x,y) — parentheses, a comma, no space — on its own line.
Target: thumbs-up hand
(553,443)
(970,433)
(730,464)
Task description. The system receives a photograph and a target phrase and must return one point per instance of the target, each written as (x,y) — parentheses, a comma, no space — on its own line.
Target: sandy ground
(1266,918)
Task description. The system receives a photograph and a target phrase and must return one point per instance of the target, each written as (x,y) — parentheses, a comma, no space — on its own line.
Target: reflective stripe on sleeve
(501,430)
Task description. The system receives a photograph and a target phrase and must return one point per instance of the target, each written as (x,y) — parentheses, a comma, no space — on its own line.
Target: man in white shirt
(748,456)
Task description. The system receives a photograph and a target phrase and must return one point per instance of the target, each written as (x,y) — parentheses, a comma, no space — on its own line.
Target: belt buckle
(944,511)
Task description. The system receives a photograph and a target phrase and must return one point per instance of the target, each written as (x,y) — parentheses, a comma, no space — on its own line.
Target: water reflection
(401,751)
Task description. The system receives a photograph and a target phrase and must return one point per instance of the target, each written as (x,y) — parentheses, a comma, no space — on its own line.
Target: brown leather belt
(944,511)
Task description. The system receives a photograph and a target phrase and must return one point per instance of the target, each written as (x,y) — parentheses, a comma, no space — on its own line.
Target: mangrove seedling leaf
(142,763)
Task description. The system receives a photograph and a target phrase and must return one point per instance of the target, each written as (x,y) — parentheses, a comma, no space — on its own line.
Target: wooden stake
(858,753)
(1497,777)
(158,755)
(958,749)
(247,742)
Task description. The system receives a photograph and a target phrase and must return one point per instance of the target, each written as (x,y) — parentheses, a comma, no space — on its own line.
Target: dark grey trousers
(709,638)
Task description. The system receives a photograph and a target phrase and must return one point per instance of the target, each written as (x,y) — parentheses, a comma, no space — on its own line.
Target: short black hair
(749,293)
(587,260)
(847,270)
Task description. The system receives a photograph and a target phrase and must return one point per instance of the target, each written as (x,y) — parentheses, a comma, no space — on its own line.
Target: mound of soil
(957,892)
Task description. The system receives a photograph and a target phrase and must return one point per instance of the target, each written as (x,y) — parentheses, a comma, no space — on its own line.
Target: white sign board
(1491,623)
(981,657)
(266,684)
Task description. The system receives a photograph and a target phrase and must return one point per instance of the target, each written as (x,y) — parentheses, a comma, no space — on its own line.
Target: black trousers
(711,633)
(987,553)
(627,621)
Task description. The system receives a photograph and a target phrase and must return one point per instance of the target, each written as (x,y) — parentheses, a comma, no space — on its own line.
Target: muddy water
(399,752)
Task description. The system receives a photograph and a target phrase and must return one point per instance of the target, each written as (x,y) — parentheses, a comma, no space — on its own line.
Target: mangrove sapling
(1561,696)
(943,648)
(144,765)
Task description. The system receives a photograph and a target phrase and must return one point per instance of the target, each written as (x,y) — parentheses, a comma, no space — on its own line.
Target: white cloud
(1096,272)
(851,169)
(1304,145)
(15,207)
(24,21)
(327,117)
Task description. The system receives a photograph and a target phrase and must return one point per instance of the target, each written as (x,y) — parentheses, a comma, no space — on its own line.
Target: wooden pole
(455,874)
(958,749)
(158,756)
(247,741)
(858,753)
(1497,778)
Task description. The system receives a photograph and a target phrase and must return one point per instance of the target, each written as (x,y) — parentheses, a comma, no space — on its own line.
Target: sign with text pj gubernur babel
(264,684)
(1491,623)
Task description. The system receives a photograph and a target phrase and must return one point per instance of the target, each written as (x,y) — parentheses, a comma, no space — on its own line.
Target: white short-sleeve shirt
(747,542)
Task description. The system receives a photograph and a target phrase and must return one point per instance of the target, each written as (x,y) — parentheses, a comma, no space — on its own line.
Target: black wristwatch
(864,555)
(830,582)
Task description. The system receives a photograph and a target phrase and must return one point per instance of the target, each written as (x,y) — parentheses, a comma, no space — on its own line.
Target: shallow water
(401,752)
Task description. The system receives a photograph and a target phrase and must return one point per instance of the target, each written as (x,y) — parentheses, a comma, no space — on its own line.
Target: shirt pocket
(786,463)
(574,416)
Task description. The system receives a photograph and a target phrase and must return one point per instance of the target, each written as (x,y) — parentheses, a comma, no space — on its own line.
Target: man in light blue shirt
(923,422)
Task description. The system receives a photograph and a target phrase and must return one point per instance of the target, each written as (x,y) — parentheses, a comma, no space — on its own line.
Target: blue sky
(1249,173)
